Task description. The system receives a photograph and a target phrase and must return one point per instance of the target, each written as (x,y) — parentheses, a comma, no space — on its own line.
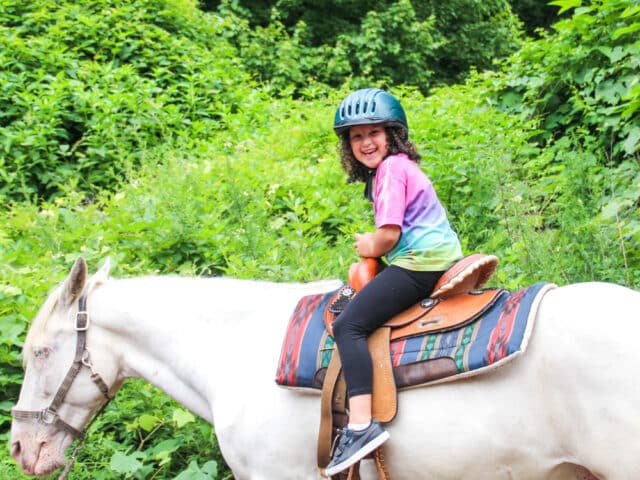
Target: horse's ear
(102,274)
(74,283)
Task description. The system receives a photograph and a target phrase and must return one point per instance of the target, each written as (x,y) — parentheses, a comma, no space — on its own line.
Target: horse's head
(67,377)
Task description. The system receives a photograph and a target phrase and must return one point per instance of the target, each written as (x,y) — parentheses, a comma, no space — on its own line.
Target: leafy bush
(580,85)
(471,34)
(510,197)
(535,15)
(290,44)
(582,79)
(86,87)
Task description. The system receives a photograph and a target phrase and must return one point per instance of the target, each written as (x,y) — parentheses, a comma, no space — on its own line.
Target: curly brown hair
(398,139)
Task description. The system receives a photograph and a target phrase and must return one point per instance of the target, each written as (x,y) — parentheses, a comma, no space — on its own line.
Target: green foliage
(160,439)
(537,211)
(86,87)
(291,43)
(193,170)
(582,80)
(580,85)
(388,47)
(534,14)
(391,47)
(471,34)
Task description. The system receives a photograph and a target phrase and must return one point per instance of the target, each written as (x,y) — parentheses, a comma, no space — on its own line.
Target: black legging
(389,293)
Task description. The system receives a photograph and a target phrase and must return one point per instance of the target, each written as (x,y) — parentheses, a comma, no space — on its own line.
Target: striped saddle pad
(496,337)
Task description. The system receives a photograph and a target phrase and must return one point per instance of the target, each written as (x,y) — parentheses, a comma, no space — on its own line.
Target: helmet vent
(373,106)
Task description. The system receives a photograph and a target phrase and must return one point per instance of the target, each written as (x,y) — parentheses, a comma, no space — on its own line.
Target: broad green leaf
(193,472)
(631,144)
(566,5)
(10,290)
(182,417)
(612,209)
(170,445)
(211,468)
(614,54)
(125,464)
(631,11)
(626,30)
(148,422)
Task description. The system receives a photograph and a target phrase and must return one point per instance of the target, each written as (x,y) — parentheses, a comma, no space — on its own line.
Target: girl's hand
(365,245)
(376,244)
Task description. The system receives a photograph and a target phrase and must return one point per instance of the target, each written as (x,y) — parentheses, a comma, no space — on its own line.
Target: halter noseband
(49,416)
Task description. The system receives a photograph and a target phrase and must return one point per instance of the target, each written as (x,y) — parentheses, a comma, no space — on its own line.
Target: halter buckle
(48,416)
(82,321)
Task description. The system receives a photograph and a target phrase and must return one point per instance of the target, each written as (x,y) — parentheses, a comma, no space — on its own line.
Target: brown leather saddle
(455,301)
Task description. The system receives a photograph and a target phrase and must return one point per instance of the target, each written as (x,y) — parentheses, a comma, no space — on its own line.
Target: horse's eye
(40,354)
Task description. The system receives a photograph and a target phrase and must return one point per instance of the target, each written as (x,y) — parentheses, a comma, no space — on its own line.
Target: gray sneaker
(354,445)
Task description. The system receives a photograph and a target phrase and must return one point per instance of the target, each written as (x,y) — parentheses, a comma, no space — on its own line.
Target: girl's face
(369,144)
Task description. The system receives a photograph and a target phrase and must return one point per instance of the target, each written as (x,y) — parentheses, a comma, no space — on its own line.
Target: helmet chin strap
(368,185)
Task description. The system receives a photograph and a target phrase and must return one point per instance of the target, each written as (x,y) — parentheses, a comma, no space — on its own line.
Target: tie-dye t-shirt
(403,195)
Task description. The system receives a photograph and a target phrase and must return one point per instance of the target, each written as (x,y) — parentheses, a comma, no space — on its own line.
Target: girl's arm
(376,244)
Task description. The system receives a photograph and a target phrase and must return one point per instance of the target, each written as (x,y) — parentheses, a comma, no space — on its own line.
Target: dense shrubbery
(582,80)
(580,85)
(422,43)
(215,177)
(535,15)
(87,87)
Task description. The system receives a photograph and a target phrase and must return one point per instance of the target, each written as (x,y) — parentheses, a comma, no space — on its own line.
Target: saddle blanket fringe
(496,337)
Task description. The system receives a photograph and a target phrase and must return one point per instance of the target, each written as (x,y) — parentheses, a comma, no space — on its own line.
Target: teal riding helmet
(369,106)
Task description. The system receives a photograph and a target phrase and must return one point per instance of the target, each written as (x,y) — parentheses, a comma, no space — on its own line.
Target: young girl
(412,231)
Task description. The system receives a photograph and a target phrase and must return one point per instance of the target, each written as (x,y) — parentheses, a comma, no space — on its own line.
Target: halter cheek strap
(49,416)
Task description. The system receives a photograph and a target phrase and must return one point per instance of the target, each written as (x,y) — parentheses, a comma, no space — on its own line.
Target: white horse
(567,409)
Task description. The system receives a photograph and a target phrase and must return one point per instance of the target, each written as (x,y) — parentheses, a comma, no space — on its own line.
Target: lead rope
(72,457)
(71,461)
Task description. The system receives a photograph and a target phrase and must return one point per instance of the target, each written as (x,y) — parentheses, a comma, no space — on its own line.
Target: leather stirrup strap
(385,399)
(326,414)
(354,472)
(378,457)
(381,467)
(384,403)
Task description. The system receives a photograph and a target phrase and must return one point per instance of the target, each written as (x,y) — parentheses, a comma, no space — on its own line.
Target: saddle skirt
(497,334)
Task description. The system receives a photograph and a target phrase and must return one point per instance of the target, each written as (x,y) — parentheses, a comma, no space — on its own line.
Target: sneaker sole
(359,455)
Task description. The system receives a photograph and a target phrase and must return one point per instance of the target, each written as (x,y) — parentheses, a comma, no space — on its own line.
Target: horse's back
(597,304)
(565,402)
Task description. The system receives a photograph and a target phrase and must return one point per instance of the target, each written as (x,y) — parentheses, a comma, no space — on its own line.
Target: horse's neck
(183,334)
